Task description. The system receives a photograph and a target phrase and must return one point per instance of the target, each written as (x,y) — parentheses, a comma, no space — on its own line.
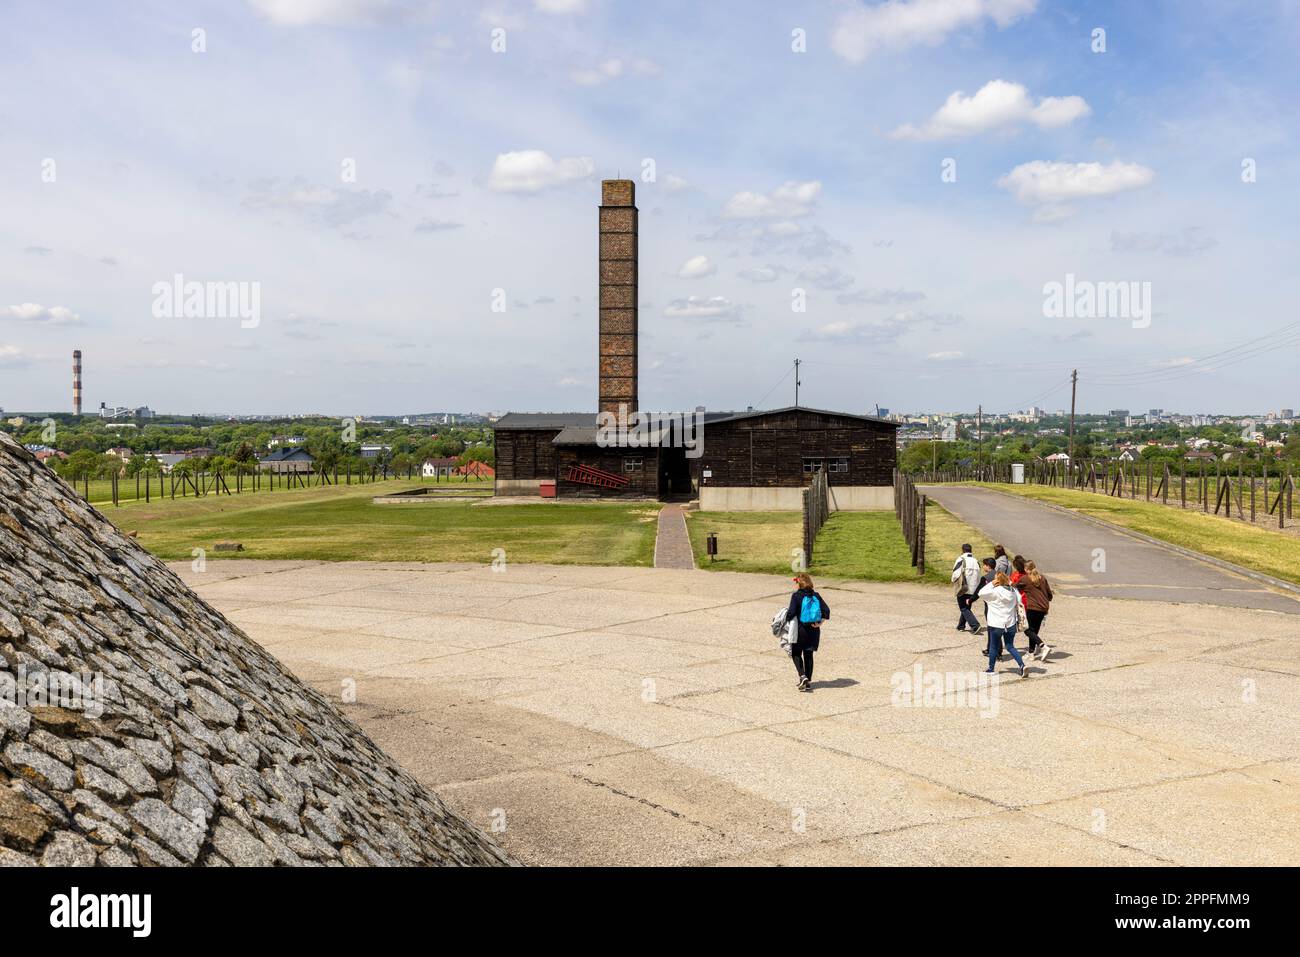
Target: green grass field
(101,490)
(1273,553)
(867,546)
(340,523)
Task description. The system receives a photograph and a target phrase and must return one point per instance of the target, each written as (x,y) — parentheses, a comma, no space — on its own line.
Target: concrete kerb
(1263,579)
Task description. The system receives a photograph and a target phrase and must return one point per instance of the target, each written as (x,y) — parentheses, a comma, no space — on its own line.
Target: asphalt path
(1081,558)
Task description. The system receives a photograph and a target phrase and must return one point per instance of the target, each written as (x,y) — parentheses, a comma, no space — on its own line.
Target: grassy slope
(1255,548)
(342,524)
(860,545)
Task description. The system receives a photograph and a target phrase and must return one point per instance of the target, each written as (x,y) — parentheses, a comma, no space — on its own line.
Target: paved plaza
(646,716)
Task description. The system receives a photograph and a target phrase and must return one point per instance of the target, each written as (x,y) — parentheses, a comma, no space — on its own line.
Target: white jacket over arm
(967,565)
(1002,600)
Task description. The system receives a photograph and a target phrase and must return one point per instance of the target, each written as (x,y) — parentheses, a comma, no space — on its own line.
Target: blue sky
(127,157)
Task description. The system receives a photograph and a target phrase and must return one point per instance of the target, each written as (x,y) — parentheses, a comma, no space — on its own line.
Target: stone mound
(139,726)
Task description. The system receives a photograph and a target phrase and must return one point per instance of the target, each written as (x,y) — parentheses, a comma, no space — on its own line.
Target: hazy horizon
(381,173)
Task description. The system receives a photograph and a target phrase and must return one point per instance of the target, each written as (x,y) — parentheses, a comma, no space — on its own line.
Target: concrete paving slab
(666,728)
(1244,818)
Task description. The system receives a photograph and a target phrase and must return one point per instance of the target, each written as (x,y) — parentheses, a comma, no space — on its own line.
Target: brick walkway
(673,544)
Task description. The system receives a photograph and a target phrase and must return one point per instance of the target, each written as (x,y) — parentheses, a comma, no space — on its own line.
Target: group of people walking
(1016,596)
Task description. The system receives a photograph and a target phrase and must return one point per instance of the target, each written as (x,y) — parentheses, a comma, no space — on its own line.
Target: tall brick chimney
(618,295)
(76,382)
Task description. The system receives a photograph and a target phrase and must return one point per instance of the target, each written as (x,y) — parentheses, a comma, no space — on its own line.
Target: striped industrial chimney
(618,296)
(76,382)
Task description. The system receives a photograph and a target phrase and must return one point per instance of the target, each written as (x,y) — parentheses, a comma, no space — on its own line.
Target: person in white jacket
(966,576)
(1003,617)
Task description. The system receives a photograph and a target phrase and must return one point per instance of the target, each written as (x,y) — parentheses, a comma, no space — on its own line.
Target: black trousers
(803,661)
(1035,623)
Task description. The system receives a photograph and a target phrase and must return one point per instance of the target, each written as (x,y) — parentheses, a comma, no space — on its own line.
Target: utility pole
(934,453)
(796,383)
(1074,384)
(979,441)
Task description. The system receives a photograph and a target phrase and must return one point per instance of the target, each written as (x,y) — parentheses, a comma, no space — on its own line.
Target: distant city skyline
(967,200)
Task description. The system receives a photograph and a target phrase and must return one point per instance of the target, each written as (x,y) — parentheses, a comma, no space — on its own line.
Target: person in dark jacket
(809,632)
(1038,600)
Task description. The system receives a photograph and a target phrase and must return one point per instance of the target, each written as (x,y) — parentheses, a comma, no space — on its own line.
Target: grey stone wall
(206,750)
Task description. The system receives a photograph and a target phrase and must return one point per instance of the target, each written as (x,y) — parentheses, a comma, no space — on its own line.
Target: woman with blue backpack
(810,610)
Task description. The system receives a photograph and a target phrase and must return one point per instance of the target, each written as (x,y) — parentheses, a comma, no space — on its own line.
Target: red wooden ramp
(590,475)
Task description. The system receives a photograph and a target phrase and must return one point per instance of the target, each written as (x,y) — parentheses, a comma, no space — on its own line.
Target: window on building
(834,464)
(631,464)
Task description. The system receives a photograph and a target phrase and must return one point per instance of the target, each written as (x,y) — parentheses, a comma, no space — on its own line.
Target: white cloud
(1050,185)
(12,356)
(613,68)
(1189,242)
(998,104)
(697,267)
(701,307)
(325,205)
(899,24)
(530,171)
(675,184)
(789,200)
(825,276)
(946,356)
(561,6)
(877,297)
(35,312)
(298,13)
(877,331)
(762,273)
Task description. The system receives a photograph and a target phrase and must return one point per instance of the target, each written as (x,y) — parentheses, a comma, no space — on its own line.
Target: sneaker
(976,630)
(1046,650)
(989,671)
(803,684)
(1024,671)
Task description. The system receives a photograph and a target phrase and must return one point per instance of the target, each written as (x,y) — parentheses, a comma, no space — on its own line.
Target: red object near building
(590,475)
(546,489)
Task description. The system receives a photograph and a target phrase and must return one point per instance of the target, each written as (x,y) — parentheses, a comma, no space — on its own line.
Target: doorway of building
(674,473)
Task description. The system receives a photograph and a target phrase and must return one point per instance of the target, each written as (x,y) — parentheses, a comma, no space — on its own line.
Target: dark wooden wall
(642,484)
(525,453)
(768,451)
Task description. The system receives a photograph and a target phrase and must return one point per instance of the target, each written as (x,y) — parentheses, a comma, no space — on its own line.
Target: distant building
(285,440)
(476,470)
(1118,414)
(44,455)
(287,460)
(167,460)
(1286,413)
(374,451)
(438,468)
